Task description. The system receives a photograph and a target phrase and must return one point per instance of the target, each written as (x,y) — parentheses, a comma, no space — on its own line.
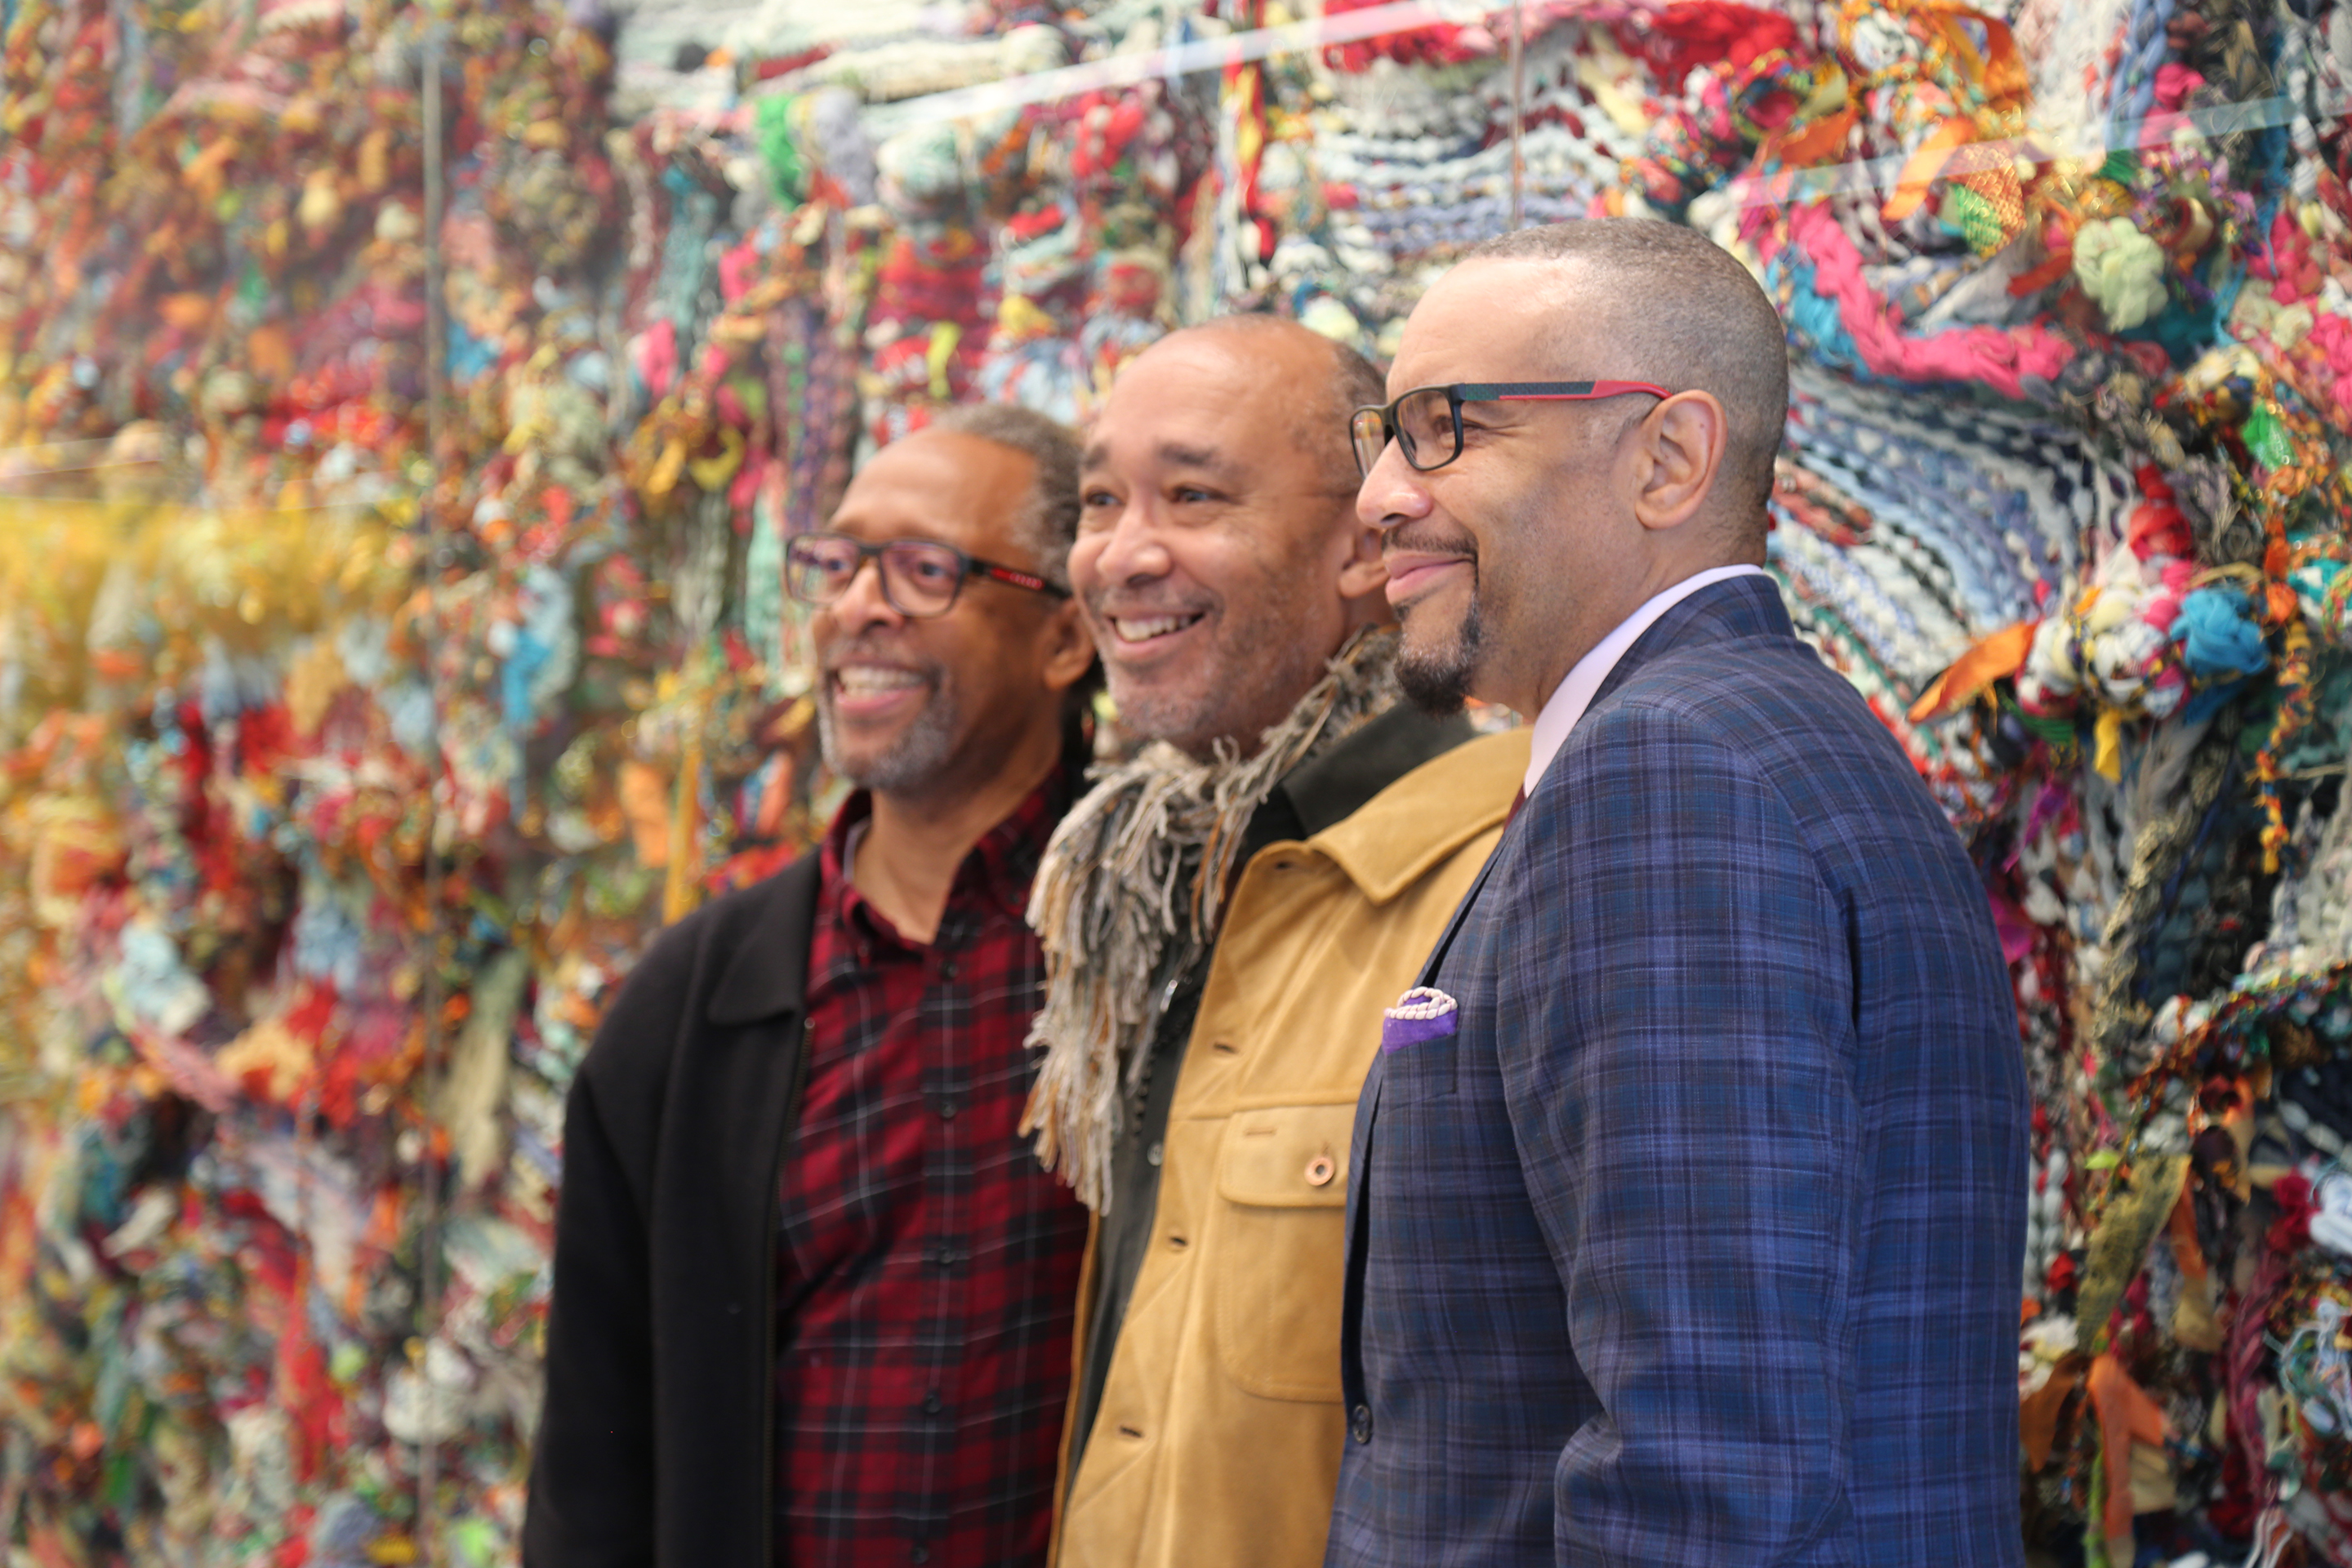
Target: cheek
(824,630)
(1460,502)
(1086,562)
(990,664)
(1231,561)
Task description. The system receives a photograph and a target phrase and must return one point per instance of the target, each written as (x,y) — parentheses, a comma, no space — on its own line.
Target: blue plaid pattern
(1699,1241)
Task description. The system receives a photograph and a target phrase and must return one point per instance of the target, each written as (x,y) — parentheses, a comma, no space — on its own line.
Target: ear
(1068,648)
(1678,451)
(1363,575)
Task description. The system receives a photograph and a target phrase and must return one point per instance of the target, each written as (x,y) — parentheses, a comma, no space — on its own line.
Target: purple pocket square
(1423,1013)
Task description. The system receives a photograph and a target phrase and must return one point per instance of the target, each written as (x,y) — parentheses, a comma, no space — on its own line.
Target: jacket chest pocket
(1282,1185)
(1420,1048)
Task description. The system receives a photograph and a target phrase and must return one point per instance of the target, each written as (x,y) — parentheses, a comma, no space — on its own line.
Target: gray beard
(910,765)
(1437,680)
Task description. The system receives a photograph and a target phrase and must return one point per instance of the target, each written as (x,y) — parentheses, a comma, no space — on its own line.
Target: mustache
(1427,538)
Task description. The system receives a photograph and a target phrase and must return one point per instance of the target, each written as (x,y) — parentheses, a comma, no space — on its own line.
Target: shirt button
(1151,1155)
(933,1404)
(948,969)
(1359,1423)
(946,1110)
(920,1554)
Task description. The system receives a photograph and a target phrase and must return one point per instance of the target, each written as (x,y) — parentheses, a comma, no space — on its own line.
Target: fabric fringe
(1130,893)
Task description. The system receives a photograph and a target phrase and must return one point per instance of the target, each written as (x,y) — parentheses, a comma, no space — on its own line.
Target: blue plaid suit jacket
(1699,1241)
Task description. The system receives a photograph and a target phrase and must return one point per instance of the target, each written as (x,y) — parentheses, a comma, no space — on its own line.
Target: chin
(1438,669)
(910,757)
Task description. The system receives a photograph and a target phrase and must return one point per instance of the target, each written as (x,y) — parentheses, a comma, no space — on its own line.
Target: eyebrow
(1181,457)
(1168,454)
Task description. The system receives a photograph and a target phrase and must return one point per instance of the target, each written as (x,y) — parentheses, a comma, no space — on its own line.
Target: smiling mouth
(867,682)
(1135,629)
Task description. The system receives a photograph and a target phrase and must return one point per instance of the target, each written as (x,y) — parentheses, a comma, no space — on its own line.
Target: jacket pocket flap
(1288,1156)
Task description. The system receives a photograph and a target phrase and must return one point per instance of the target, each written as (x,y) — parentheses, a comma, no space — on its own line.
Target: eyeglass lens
(1425,428)
(918,579)
(1369,428)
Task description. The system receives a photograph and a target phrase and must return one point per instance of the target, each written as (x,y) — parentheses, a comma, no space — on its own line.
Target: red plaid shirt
(928,1267)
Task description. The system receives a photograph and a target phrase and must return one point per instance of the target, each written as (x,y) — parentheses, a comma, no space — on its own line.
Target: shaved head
(1318,411)
(1675,308)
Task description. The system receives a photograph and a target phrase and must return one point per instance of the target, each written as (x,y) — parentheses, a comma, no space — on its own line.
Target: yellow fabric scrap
(2107,756)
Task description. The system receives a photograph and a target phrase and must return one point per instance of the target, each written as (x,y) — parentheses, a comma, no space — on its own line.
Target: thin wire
(428,1264)
(437,331)
(1518,114)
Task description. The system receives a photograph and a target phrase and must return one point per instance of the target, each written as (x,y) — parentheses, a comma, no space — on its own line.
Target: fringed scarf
(1129,895)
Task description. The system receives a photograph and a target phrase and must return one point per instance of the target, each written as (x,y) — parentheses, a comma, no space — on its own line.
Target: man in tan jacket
(1224,919)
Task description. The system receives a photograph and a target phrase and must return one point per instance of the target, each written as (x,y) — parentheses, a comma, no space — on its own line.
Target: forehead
(938,485)
(1497,320)
(1201,400)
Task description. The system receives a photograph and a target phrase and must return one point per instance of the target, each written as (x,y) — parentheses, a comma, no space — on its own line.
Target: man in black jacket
(813,1294)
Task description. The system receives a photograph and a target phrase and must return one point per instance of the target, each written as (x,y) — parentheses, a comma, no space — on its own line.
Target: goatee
(1437,679)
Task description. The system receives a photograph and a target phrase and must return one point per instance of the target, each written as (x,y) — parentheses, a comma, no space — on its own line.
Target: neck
(1559,660)
(916,840)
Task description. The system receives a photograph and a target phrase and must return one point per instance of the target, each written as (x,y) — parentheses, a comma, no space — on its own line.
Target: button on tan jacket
(1217,1444)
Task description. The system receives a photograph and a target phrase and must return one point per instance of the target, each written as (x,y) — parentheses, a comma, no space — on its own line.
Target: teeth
(872,680)
(1145,630)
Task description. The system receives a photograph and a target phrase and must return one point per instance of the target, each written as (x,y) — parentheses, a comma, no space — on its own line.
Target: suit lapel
(1461,911)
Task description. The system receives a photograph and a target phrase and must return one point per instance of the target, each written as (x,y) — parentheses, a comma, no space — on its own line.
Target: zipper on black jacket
(795,1076)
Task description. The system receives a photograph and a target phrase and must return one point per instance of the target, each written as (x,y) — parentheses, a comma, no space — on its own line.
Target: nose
(863,605)
(1393,494)
(1132,550)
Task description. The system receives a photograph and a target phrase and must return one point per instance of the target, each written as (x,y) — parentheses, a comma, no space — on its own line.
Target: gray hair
(1048,524)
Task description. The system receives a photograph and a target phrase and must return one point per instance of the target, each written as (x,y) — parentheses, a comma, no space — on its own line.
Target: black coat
(657,1447)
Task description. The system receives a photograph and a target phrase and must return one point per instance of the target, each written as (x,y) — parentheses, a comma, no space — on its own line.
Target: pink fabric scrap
(2000,359)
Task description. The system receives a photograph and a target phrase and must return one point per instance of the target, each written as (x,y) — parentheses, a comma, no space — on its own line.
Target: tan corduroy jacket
(1217,1444)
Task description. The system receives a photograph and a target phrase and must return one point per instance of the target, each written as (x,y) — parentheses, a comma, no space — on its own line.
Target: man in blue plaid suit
(1687,1204)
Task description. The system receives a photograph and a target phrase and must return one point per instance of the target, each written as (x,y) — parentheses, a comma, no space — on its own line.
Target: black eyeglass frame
(969,566)
(1462,391)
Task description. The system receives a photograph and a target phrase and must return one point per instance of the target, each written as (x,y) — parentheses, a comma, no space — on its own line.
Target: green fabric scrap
(773,129)
(2267,440)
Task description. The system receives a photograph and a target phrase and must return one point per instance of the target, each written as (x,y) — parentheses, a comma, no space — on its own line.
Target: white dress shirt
(1574,695)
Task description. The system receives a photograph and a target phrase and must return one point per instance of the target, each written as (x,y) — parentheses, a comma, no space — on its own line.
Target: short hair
(1690,317)
(1319,422)
(1048,524)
